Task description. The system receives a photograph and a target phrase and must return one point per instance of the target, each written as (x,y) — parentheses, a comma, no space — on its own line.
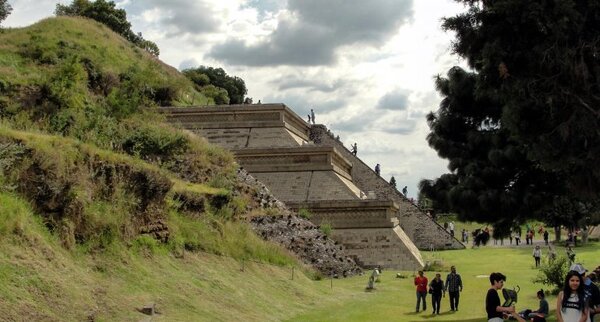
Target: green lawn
(394,299)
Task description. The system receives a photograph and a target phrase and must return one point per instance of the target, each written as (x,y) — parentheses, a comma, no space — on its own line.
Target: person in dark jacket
(454,286)
(436,288)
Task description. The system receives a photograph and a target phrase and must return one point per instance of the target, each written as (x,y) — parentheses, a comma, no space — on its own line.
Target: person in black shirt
(492,300)
(436,287)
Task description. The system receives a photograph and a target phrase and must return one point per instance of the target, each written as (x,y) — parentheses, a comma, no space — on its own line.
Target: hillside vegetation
(105,208)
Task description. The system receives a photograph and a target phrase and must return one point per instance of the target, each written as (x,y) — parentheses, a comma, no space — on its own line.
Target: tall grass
(15,215)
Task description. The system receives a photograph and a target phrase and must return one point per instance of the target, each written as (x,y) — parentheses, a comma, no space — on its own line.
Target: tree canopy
(542,58)
(521,129)
(107,13)
(204,76)
(5,9)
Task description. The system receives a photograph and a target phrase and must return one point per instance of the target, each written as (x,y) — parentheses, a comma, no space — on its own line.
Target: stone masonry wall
(385,247)
(306,185)
(237,138)
(420,228)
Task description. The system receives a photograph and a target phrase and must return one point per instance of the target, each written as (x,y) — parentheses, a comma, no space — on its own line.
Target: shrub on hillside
(552,273)
(326,229)
(304,213)
(154,142)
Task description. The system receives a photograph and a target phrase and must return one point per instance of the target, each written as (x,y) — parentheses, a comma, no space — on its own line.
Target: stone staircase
(424,232)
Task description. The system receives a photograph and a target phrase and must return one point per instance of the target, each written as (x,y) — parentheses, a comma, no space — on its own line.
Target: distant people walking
(529,237)
(378,169)
(570,254)
(405,190)
(451,228)
(421,286)
(308,118)
(537,255)
(312,116)
(518,237)
(546,237)
(354,149)
(373,278)
(570,303)
(454,286)
(436,287)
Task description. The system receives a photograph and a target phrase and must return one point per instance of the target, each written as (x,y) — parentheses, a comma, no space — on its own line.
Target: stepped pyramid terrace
(306,168)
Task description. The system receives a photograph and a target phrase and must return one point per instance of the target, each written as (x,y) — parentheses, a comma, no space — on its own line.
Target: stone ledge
(235,116)
(350,214)
(302,158)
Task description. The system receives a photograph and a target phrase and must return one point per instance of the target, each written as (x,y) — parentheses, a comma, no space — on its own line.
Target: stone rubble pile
(298,234)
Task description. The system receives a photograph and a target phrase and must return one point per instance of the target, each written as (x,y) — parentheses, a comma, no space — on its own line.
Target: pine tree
(541,60)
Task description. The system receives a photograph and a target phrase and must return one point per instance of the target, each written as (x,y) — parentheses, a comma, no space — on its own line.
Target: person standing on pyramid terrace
(405,190)
(454,286)
(308,118)
(377,169)
(354,149)
(312,116)
(393,182)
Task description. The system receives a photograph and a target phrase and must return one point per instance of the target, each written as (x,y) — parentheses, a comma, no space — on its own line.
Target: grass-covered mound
(32,58)
(43,281)
(103,206)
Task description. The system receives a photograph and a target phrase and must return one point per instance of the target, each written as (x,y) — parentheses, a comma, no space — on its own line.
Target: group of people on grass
(437,288)
(578,301)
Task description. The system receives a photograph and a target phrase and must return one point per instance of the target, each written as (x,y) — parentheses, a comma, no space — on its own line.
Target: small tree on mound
(553,273)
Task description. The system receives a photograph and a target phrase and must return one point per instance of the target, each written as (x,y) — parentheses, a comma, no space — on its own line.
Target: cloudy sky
(365,66)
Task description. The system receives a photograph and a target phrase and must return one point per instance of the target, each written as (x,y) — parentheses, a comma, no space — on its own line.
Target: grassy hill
(105,208)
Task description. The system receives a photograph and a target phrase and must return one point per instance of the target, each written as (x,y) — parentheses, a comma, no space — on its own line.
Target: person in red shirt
(421,283)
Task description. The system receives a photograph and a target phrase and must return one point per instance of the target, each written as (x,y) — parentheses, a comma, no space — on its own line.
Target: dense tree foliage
(521,132)
(491,179)
(543,59)
(5,9)
(107,13)
(203,76)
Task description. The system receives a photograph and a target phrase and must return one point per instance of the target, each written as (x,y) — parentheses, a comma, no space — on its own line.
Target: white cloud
(312,30)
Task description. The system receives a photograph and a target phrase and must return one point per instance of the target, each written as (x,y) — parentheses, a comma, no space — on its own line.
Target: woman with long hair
(570,304)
